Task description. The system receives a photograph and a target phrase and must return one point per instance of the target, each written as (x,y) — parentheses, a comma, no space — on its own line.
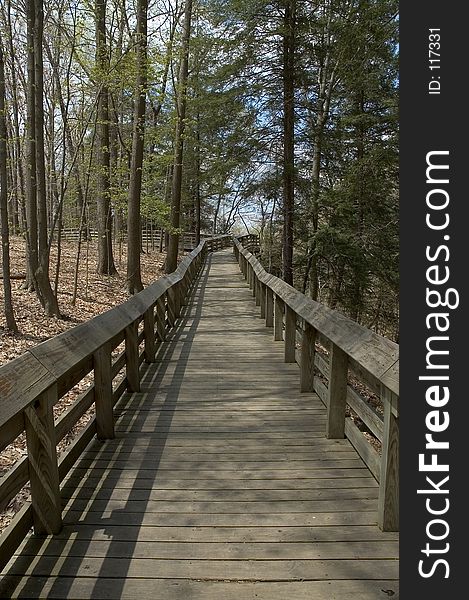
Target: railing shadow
(64,557)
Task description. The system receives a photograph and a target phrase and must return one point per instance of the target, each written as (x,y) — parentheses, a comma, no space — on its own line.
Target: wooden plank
(234,475)
(70,417)
(215,466)
(176,519)
(285,570)
(14,534)
(12,481)
(21,381)
(238,495)
(121,480)
(144,588)
(366,451)
(226,507)
(234,551)
(371,419)
(352,533)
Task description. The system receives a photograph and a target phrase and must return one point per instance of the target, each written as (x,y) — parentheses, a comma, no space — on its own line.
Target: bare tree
(134,278)
(171,259)
(106,264)
(8,305)
(288,138)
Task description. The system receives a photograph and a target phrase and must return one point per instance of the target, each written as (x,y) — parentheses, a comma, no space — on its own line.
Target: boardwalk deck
(220,482)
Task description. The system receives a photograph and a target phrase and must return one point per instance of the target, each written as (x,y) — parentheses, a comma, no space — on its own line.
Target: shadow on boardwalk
(220,483)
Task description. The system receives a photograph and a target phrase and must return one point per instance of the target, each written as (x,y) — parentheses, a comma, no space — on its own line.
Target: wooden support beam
(388,501)
(262,288)
(161,319)
(337,393)
(269,307)
(132,364)
(257,291)
(278,319)
(149,329)
(174,301)
(42,463)
(308,349)
(103,393)
(290,334)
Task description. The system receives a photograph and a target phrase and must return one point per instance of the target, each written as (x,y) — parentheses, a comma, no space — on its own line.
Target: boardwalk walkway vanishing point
(219,484)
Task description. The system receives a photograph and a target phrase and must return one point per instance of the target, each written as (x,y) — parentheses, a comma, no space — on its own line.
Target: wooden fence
(32,384)
(151,238)
(352,351)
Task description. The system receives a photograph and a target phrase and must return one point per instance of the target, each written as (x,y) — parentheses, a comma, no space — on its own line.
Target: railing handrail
(378,355)
(24,378)
(33,383)
(371,358)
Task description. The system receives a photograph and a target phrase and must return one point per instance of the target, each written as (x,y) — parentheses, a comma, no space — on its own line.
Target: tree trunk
(172,256)
(8,304)
(19,193)
(288,138)
(44,288)
(106,264)
(32,261)
(134,278)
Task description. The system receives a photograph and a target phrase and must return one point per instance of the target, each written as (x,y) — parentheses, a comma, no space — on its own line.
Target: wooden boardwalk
(220,483)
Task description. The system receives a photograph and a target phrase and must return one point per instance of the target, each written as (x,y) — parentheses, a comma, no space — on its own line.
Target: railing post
(308,350)
(103,393)
(262,288)
(160,318)
(174,302)
(42,463)
(269,307)
(290,334)
(257,291)
(253,283)
(132,367)
(278,319)
(337,393)
(388,500)
(149,329)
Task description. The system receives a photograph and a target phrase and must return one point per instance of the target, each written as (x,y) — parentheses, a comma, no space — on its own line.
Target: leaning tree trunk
(106,264)
(172,257)
(8,304)
(134,278)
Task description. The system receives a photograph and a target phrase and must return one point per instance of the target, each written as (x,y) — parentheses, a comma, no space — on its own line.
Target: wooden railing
(149,237)
(32,384)
(352,354)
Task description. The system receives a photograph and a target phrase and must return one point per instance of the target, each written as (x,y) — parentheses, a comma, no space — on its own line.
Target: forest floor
(95,294)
